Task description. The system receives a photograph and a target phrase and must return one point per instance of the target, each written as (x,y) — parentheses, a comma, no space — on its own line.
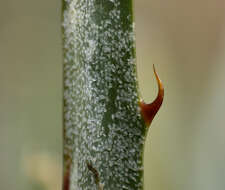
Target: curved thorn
(149,111)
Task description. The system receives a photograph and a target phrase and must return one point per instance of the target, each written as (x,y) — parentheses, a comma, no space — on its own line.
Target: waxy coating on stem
(102,119)
(149,111)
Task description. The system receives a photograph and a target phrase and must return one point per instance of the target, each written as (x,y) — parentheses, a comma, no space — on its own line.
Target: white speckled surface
(102,120)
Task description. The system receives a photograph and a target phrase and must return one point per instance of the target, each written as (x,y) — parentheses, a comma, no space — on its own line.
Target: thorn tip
(149,111)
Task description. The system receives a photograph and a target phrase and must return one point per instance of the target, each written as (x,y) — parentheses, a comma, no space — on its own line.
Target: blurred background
(186,42)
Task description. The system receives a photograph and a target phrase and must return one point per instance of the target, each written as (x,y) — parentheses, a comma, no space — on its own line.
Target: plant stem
(102,119)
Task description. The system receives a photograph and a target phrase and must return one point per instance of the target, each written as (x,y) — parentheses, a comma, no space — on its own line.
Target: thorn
(148,111)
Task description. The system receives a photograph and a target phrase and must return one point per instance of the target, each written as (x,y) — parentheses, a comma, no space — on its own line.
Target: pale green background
(186,42)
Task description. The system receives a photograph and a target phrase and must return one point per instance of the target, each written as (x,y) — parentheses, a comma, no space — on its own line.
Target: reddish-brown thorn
(148,111)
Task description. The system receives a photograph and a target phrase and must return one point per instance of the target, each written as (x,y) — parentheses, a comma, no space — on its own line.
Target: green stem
(102,120)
